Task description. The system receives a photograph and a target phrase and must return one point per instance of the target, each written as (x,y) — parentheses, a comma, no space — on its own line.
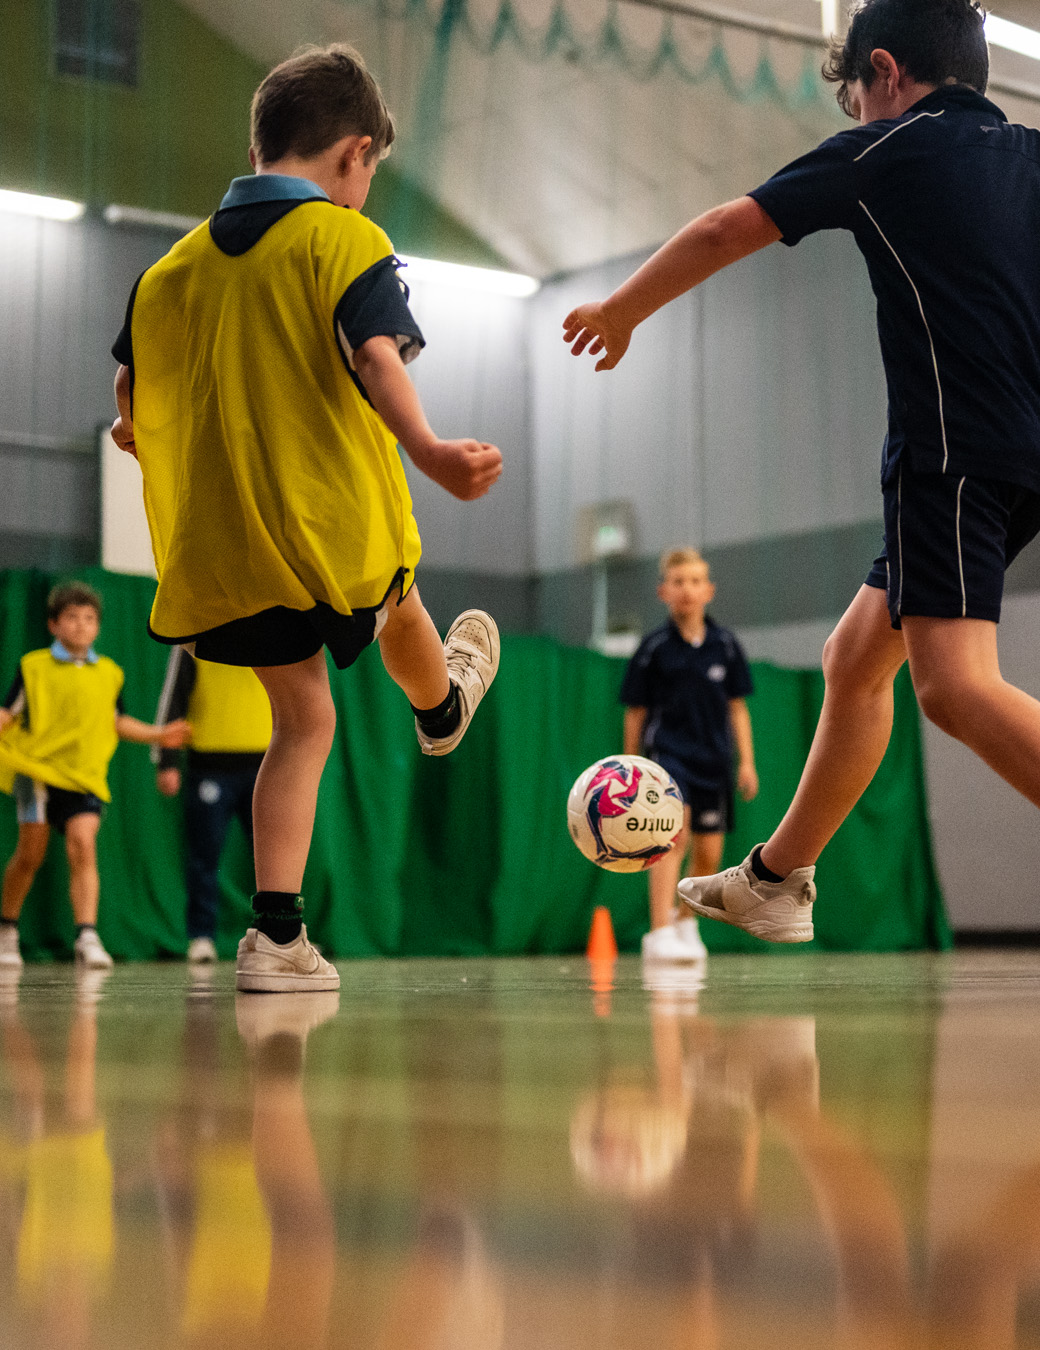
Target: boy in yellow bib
(262,388)
(59,727)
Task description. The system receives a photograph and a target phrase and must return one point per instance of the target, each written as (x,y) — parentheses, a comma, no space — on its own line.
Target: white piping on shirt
(960,558)
(901,127)
(931,344)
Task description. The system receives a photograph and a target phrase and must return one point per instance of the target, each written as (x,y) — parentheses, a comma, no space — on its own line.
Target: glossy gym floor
(792,1150)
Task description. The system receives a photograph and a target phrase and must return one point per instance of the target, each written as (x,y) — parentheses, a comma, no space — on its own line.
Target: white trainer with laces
(201,949)
(10,952)
(779,911)
(89,951)
(678,943)
(266,967)
(471,649)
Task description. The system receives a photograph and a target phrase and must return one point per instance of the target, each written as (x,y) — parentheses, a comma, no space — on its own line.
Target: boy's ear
(52,627)
(660,591)
(709,592)
(252,157)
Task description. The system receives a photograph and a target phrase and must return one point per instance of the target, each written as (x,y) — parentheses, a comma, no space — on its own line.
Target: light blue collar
(270,187)
(61,653)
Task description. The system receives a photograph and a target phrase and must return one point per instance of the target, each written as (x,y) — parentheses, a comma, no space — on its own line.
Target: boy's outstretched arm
(466,469)
(171,735)
(721,236)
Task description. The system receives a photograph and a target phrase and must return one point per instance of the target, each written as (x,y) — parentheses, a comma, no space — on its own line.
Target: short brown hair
(315,98)
(72,593)
(680,557)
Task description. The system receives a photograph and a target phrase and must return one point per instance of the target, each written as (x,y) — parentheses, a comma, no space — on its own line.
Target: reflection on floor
(796,1150)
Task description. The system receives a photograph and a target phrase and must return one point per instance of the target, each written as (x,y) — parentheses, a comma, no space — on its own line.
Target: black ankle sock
(278,914)
(8,923)
(85,928)
(760,869)
(442,720)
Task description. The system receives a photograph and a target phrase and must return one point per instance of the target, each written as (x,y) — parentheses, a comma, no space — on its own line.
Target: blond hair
(681,557)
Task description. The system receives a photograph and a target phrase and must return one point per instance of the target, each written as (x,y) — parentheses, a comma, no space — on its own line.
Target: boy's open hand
(174,735)
(466,469)
(747,782)
(593,327)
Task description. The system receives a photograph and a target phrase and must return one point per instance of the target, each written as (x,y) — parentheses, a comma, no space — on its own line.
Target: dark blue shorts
(711,809)
(948,542)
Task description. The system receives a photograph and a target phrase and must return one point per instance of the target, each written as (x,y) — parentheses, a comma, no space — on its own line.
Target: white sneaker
(201,949)
(266,967)
(10,952)
(677,942)
(472,650)
(89,952)
(779,911)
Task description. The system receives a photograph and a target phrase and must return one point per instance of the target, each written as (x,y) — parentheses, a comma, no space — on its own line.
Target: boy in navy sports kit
(943,198)
(685,691)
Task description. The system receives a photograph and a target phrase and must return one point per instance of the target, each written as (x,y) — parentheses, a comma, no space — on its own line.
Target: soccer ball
(624,813)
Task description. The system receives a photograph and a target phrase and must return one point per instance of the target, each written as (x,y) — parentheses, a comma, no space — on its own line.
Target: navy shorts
(948,542)
(38,803)
(281,637)
(711,809)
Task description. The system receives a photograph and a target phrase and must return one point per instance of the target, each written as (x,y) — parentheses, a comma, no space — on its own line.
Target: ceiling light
(28,204)
(1014,36)
(463,278)
(140,215)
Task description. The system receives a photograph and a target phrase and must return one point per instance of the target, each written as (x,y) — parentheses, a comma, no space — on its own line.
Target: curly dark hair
(72,593)
(938,42)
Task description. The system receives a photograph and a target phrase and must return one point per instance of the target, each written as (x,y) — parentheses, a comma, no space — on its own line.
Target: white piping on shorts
(898,537)
(902,126)
(960,559)
(928,331)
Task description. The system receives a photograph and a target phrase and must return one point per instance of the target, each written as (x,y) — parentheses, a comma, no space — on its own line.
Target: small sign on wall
(126,545)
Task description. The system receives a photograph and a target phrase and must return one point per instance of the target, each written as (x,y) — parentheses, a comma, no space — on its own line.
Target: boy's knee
(942,701)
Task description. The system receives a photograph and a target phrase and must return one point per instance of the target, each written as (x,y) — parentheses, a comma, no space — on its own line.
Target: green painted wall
(171,144)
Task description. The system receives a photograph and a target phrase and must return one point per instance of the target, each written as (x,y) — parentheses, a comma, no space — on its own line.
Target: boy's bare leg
(21,870)
(286,792)
(664,876)
(706,854)
(413,653)
(959,686)
(860,663)
(81,848)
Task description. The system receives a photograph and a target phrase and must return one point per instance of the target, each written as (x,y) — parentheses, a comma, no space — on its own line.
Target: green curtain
(470,854)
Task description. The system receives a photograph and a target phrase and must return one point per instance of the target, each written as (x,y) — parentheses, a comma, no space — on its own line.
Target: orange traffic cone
(602,942)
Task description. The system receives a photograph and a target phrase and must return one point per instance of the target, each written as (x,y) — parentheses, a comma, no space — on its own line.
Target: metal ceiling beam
(791,32)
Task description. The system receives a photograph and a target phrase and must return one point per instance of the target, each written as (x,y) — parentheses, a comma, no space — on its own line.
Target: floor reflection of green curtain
(469,854)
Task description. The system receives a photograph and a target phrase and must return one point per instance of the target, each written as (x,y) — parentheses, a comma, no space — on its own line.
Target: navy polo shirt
(686,692)
(944,204)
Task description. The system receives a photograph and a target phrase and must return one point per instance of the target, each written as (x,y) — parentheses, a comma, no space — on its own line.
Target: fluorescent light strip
(464,278)
(1014,36)
(28,204)
(139,215)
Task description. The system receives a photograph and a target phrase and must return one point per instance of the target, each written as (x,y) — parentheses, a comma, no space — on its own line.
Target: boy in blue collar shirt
(686,689)
(59,726)
(942,196)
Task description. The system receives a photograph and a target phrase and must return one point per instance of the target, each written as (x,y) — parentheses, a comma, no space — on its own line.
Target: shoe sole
(766,929)
(247,983)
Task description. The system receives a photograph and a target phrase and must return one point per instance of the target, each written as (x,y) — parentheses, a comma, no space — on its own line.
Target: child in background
(230,720)
(59,726)
(685,688)
(262,387)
